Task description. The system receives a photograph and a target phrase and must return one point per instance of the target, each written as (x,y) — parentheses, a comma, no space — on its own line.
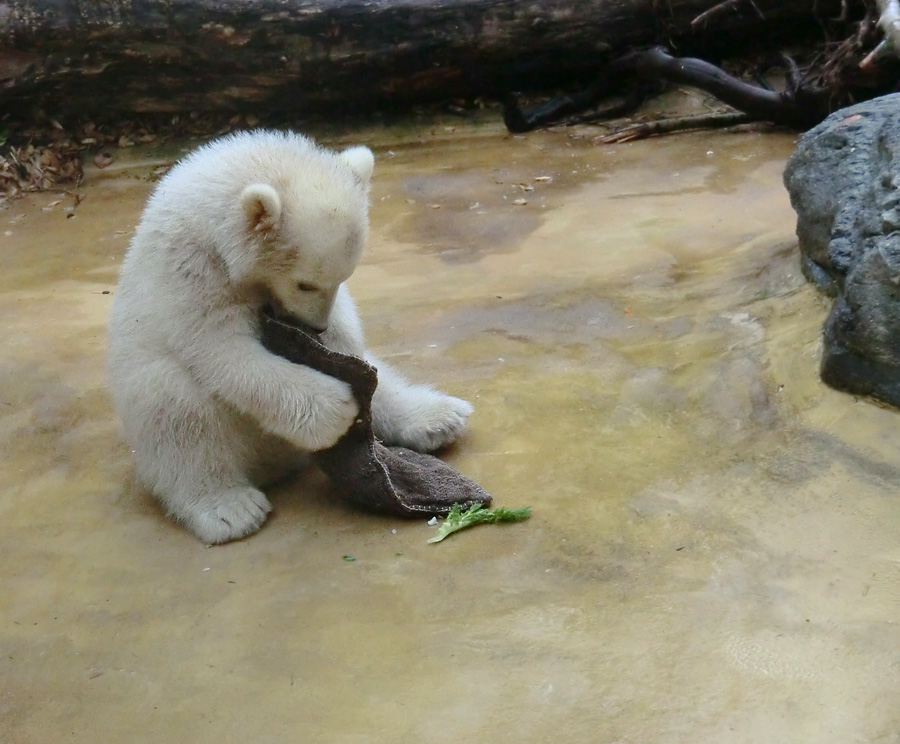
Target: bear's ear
(361,162)
(262,205)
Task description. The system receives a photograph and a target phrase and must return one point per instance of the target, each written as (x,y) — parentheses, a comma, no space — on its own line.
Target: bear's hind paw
(236,513)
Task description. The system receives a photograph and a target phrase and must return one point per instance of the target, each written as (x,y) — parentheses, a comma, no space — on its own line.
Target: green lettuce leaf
(458,519)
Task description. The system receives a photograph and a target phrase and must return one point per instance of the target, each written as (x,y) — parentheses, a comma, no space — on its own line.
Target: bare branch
(720,8)
(680,124)
(713,11)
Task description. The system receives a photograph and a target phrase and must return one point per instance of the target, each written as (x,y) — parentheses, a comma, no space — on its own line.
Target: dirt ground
(714,554)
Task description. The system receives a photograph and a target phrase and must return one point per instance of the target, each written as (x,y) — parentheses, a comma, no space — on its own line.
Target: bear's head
(309,229)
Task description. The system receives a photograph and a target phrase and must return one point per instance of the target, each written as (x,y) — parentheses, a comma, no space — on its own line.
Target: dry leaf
(103,158)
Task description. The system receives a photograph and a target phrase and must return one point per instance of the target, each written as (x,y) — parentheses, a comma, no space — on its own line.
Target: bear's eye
(304,287)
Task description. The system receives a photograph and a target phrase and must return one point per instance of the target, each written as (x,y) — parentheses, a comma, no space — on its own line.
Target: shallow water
(715,549)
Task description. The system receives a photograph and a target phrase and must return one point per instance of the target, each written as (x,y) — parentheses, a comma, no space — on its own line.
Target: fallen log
(799,106)
(296,57)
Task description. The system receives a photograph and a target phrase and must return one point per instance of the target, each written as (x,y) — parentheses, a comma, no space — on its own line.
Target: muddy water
(715,549)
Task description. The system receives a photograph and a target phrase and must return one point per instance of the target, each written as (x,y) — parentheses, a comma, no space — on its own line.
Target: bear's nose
(319,327)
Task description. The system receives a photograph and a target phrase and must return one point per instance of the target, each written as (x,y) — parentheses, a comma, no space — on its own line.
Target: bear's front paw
(435,423)
(333,409)
(234,513)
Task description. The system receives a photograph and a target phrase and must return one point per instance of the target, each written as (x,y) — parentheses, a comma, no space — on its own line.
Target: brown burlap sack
(368,474)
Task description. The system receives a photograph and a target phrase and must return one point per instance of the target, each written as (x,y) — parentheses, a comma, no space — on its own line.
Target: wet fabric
(368,474)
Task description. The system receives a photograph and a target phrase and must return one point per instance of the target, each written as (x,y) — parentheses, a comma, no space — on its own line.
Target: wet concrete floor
(714,554)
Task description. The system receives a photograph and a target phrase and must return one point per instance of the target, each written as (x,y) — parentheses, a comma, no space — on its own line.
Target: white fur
(361,162)
(211,416)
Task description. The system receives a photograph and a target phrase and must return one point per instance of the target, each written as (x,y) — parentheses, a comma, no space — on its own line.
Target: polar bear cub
(251,220)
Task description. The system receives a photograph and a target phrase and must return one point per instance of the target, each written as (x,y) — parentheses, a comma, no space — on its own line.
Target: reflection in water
(714,549)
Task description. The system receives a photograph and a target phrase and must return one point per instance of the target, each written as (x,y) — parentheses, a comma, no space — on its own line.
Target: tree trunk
(95,57)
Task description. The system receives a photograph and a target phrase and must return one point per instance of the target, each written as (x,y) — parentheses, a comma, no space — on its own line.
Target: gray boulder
(844,183)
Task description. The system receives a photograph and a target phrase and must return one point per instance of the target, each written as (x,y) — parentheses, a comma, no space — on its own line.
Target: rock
(844,183)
